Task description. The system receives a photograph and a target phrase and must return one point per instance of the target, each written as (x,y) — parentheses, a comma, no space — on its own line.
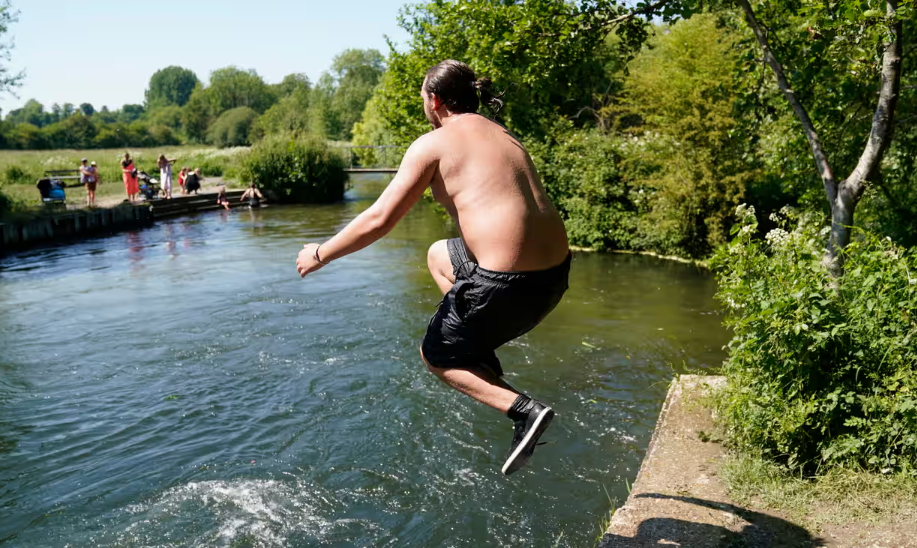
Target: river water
(181,386)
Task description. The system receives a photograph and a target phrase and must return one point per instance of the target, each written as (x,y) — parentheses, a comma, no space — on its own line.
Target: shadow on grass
(758,531)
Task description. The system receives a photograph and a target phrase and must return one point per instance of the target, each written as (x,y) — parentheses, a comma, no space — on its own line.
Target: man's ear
(435,101)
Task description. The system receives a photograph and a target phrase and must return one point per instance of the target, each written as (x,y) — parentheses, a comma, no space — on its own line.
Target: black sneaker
(525,435)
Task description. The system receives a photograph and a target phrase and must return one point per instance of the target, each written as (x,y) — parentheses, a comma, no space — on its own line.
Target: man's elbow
(380,224)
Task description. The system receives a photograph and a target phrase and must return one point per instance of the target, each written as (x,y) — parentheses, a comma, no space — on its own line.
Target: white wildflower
(778,236)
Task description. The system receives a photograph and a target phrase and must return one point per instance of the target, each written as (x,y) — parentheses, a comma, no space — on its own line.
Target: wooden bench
(61,174)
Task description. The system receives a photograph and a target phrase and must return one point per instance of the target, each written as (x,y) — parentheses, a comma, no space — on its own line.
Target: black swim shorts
(486,309)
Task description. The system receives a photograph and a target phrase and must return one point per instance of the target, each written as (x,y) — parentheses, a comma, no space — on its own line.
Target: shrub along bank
(822,372)
(296,170)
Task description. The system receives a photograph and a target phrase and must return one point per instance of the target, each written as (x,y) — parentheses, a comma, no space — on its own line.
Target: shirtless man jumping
(508,270)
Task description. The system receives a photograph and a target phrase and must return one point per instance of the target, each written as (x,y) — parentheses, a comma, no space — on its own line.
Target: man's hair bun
(483,84)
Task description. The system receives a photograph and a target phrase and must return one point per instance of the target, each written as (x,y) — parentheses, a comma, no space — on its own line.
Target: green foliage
(293,83)
(697,159)
(195,116)
(356,73)
(32,112)
(14,174)
(372,131)
(233,128)
(331,107)
(232,87)
(821,372)
(7,18)
(583,174)
(169,116)
(171,86)
(544,52)
(289,115)
(128,113)
(299,170)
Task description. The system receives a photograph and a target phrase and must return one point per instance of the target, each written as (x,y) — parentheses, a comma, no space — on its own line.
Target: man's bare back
(486,180)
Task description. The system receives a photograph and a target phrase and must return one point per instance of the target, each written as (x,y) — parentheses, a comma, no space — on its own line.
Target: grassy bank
(20,170)
(839,497)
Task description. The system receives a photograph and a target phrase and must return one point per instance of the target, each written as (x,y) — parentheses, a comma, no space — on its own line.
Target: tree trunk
(880,135)
(843,197)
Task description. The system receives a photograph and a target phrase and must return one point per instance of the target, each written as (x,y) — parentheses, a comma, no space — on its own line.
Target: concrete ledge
(677,498)
(68,225)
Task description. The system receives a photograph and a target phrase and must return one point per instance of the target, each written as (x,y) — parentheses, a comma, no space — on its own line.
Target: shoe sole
(541,424)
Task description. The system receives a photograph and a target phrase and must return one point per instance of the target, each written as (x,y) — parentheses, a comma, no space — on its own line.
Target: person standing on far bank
(129,173)
(165,175)
(89,176)
(510,266)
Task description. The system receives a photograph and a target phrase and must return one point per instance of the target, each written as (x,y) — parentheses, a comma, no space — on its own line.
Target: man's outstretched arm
(414,175)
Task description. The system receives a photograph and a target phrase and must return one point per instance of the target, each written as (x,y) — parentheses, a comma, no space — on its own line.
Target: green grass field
(20,170)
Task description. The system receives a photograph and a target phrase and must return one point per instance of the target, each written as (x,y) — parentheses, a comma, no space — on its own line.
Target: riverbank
(685,494)
(70,223)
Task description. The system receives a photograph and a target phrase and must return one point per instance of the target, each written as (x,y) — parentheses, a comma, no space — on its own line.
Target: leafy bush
(581,171)
(14,174)
(233,128)
(821,372)
(301,170)
(697,155)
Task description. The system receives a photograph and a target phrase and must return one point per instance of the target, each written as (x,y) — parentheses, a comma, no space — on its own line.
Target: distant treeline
(236,108)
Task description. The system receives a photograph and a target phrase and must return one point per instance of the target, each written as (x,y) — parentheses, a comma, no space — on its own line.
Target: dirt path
(678,498)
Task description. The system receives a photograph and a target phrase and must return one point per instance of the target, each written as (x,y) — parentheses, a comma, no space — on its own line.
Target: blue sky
(104,51)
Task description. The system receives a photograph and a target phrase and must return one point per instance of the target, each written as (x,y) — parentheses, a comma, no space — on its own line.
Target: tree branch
(818,151)
(648,9)
(880,135)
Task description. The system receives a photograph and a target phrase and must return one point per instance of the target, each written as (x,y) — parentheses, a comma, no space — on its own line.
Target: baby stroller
(52,191)
(149,187)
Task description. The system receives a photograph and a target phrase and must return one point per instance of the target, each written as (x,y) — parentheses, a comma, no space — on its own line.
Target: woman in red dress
(130,179)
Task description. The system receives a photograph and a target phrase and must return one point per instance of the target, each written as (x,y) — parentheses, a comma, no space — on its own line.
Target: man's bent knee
(438,259)
(438,371)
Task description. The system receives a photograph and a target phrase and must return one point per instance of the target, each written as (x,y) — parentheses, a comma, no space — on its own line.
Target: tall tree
(8,80)
(128,113)
(293,83)
(196,115)
(32,112)
(87,109)
(232,87)
(170,86)
(850,33)
(355,72)
(549,56)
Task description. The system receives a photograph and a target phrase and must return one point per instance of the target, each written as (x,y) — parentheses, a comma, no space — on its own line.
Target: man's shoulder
(426,146)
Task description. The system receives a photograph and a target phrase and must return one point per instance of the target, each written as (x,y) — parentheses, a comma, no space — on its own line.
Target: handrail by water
(363,169)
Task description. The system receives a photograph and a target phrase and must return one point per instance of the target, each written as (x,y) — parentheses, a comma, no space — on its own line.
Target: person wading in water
(508,270)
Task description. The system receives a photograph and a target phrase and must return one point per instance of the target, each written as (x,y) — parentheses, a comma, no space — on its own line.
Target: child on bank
(181,179)
(222,199)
